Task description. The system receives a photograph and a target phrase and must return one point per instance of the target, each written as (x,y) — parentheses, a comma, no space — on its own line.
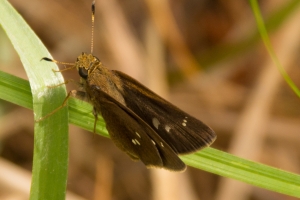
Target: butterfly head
(86,63)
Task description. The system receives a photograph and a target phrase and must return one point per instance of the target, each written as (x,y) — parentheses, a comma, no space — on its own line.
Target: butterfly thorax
(94,73)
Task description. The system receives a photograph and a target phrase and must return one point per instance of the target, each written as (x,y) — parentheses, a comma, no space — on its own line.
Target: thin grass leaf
(15,90)
(256,174)
(226,51)
(264,34)
(50,162)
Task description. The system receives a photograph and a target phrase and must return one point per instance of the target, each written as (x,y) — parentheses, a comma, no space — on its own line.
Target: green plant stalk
(227,51)
(50,160)
(264,34)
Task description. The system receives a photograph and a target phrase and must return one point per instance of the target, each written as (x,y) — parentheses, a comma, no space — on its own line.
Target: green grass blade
(226,51)
(15,90)
(256,174)
(209,159)
(264,34)
(50,162)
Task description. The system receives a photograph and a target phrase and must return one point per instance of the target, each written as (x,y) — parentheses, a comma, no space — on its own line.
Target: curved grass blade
(264,34)
(50,162)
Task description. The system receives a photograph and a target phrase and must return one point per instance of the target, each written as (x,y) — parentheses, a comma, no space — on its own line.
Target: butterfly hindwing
(131,134)
(181,131)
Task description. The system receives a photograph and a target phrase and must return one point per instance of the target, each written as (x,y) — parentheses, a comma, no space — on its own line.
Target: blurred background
(204,56)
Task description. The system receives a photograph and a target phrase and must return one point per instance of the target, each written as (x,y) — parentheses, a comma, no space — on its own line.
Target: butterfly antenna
(57,62)
(93,23)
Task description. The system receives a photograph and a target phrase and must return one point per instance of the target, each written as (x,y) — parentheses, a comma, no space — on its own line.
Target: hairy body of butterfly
(144,125)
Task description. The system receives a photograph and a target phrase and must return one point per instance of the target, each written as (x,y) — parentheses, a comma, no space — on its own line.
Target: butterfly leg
(71,93)
(63,83)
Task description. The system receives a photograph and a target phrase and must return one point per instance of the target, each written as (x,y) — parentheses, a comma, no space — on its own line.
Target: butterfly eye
(83,72)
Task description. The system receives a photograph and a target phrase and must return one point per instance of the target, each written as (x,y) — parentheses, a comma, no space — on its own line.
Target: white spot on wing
(155,122)
(168,128)
(184,121)
(153,142)
(138,134)
(135,142)
(161,144)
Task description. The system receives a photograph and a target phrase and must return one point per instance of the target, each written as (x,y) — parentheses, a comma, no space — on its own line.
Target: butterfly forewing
(131,134)
(181,131)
